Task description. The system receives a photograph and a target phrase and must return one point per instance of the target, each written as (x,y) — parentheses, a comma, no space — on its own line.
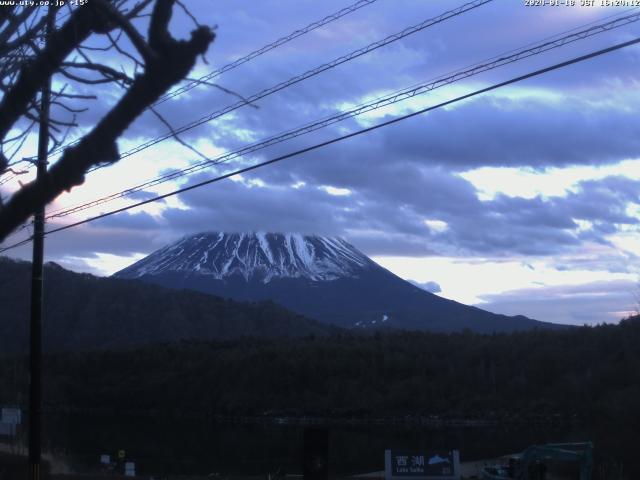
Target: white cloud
(550,182)
(436,226)
(470,280)
(336,191)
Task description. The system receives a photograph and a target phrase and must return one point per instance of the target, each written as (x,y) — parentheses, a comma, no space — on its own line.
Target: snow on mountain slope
(255,256)
(322,278)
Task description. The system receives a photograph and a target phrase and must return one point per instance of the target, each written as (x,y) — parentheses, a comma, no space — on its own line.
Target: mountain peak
(322,278)
(255,256)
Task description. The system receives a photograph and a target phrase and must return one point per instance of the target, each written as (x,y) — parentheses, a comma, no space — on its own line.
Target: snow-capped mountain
(323,278)
(256,256)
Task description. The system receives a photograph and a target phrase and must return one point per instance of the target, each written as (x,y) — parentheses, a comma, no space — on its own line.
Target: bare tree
(155,63)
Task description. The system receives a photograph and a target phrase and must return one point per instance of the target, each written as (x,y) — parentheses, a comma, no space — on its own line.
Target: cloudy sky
(524,200)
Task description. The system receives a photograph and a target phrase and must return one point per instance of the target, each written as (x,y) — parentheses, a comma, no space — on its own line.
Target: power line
(393,98)
(624,18)
(250,56)
(308,74)
(355,54)
(7,179)
(338,139)
(17,244)
(317,146)
(261,51)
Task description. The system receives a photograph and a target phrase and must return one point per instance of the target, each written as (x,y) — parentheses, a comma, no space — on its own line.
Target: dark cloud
(245,26)
(605,201)
(122,238)
(94,239)
(490,132)
(526,131)
(392,216)
(591,303)
(405,176)
(610,260)
(544,226)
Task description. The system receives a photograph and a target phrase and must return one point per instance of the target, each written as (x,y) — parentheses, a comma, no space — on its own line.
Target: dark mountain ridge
(84,312)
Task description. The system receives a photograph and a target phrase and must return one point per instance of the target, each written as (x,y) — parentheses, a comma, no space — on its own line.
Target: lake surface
(188,446)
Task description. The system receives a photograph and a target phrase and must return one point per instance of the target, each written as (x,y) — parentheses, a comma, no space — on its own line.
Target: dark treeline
(583,373)
(85,312)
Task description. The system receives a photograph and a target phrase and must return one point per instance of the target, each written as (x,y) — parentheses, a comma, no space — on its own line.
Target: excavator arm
(578,452)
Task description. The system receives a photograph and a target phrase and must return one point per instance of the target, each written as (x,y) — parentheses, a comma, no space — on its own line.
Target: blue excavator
(532,464)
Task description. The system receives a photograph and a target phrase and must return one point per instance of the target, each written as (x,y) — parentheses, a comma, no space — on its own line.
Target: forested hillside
(84,312)
(583,373)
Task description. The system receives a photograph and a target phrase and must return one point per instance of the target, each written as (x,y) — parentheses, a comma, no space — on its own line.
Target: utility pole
(35,352)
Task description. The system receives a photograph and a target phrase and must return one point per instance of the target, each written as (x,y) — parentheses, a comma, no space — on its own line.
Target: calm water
(165,446)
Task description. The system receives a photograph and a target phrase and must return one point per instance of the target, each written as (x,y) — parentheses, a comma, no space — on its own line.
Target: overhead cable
(381,102)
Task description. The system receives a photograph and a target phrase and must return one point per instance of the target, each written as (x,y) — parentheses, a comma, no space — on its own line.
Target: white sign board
(129,469)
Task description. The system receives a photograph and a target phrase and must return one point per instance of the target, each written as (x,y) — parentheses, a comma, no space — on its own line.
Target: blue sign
(435,464)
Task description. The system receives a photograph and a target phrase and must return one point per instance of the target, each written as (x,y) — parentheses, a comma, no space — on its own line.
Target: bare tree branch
(76,96)
(17,172)
(24,37)
(188,13)
(109,73)
(135,11)
(114,43)
(171,62)
(68,108)
(15,22)
(159,36)
(177,137)
(33,75)
(102,49)
(223,89)
(123,22)
(88,81)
